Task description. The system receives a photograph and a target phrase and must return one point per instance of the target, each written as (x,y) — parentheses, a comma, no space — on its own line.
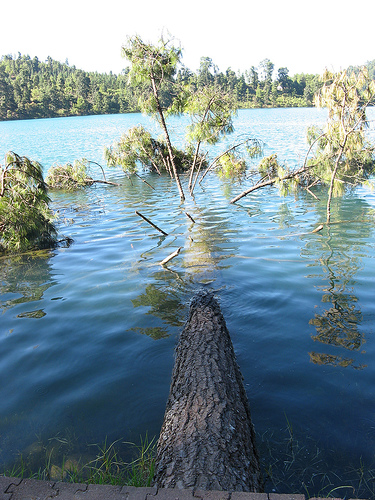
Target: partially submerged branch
(139,177)
(138,148)
(102,169)
(171,256)
(342,156)
(271,182)
(190,217)
(202,160)
(151,223)
(73,176)
(211,111)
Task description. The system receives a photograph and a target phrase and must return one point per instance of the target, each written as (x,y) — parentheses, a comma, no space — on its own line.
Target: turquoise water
(87,333)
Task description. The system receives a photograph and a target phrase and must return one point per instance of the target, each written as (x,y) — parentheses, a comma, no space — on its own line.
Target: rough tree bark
(207,440)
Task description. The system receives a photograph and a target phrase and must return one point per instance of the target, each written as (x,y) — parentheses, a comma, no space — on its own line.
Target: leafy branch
(25,218)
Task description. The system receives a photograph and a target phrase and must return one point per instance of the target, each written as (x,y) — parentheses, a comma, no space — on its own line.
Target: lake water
(87,333)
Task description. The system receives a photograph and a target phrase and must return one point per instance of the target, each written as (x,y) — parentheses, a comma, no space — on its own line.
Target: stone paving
(32,489)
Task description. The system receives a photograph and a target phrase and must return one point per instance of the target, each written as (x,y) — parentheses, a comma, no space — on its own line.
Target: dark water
(87,333)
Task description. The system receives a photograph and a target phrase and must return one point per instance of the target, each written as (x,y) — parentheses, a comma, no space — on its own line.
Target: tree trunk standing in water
(167,138)
(207,440)
(153,68)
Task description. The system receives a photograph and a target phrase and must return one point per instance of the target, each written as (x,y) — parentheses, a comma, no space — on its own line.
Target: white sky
(302,36)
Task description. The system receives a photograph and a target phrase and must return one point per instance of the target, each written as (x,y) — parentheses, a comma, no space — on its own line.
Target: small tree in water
(69,176)
(160,94)
(151,74)
(26,222)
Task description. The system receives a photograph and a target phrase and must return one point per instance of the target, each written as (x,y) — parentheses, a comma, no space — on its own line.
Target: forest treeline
(30,88)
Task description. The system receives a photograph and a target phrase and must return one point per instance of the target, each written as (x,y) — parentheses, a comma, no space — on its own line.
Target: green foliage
(267,68)
(230,166)
(69,176)
(184,158)
(30,88)
(26,222)
(205,76)
(211,111)
(270,168)
(138,147)
(151,73)
(370,65)
(342,143)
(343,157)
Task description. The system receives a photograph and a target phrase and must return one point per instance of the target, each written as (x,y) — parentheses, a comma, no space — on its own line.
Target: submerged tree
(161,93)
(74,176)
(137,146)
(26,221)
(69,176)
(151,74)
(341,155)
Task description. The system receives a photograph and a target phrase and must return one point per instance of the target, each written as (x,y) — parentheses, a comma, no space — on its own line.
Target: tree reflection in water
(339,324)
(162,300)
(24,278)
(204,248)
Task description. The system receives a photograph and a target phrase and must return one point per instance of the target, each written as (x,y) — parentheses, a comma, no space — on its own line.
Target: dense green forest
(30,88)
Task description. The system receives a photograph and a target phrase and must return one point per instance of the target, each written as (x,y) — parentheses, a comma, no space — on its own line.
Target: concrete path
(31,489)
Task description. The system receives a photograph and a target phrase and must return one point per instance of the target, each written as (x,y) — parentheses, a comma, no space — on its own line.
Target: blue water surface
(87,333)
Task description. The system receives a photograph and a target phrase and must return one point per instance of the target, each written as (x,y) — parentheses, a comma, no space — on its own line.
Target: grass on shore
(106,468)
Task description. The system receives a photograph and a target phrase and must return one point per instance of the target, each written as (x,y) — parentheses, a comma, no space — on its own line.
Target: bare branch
(171,256)
(151,223)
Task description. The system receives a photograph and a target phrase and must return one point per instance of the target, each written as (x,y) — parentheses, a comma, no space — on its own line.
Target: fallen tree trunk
(207,440)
